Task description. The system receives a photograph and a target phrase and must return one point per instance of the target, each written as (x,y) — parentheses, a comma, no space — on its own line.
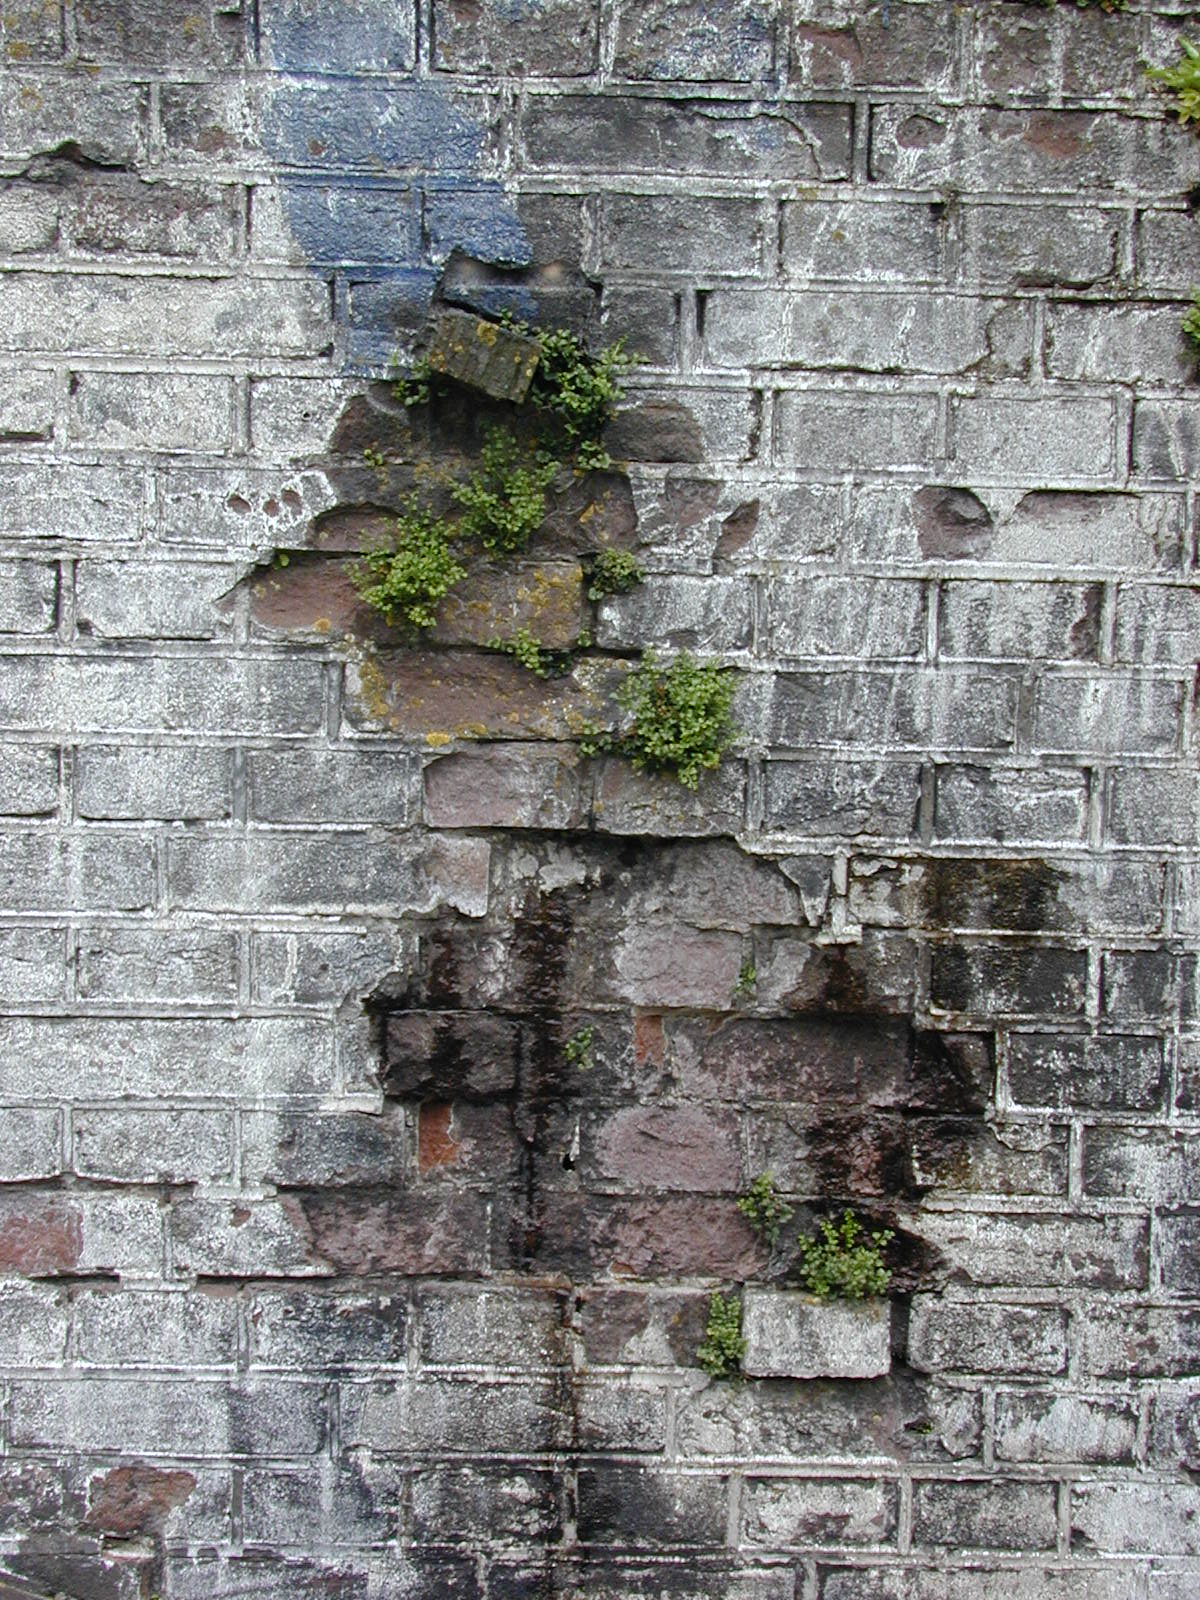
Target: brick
(131,782)
(799,1512)
(108,123)
(972,1336)
(152,600)
(363,1231)
(664,1148)
(201,1418)
(1168,253)
(896,710)
(1021,1251)
(884,46)
(447,1416)
(653,805)
(33,1333)
(232,1238)
(305,1326)
(320,964)
(1156,624)
(1118,715)
(157,964)
(622,1416)
(1136,1516)
(791,1335)
(621,1504)
(1174,1440)
(641,1327)
(44,871)
(1139,984)
(230,1060)
(33,32)
(1166,443)
(1008,979)
(30,1145)
(331,1149)
(966,1582)
(487,356)
(681,234)
(844,617)
(30,223)
(343,872)
(312,785)
(1024,151)
(996,1515)
(27,415)
(155,411)
(365,36)
(660,40)
(506,786)
(486,1503)
(1178,1238)
(861,241)
(276,1577)
(52,1233)
(160,316)
(121,1328)
(244,508)
(1099,1073)
(518,1328)
(28,596)
(161,694)
(558,40)
(1018,620)
(1024,55)
(132,30)
(152,1146)
(360,1503)
(812,1420)
(353,221)
(706,425)
(997,436)
(1011,805)
(863,798)
(1121,344)
(1138,1342)
(626,134)
(1135,1162)
(179,221)
(33,963)
(889,431)
(950,1156)
(63,501)
(1043,246)
(704,614)
(647,319)
(1040,1426)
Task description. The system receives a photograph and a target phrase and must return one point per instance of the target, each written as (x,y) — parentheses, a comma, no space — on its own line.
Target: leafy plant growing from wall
(721,1350)
(764,1209)
(844,1261)
(504,502)
(1183,79)
(1191,319)
(406,580)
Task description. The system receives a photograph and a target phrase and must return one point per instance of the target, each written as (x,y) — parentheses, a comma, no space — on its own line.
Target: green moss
(845,1262)
(1191,318)
(722,1348)
(1183,79)
(613,572)
(763,1209)
(526,650)
(681,717)
(578,1049)
(504,502)
(406,581)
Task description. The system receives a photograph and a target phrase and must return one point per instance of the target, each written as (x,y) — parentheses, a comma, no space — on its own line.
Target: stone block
(862,241)
(1036,246)
(152,600)
(1117,714)
(1039,1426)
(681,234)
(884,46)
(854,617)
(1011,805)
(30,1145)
(148,1327)
(152,1146)
(792,1335)
(131,782)
(158,411)
(970,1336)
(1067,1070)
(361,37)
(997,436)
(1118,344)
(558,39)
(1143,1517)
(660,39)
(322,785)
(178,221)
(994,1515)
(481,355)
(840,798)
(1051,621)
(684,613)
(836,431)
(795,1513)
(621,1504)
(28,596)
(1157,624)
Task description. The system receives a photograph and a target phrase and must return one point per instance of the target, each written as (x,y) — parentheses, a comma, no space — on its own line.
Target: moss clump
(722,1348)
(406,581)
(681,717)
(845,1262)
(504,502)
(614,572)
(1191,318)
(1184,81)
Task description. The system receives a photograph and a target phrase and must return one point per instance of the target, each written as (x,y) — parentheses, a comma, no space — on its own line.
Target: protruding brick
(792,1335)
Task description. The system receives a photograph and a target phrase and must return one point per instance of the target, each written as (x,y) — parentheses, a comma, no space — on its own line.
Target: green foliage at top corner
(1191,318)
(406,581)
(763,1208)
(1183,79)
(614,572)
(504,502)
(722,1348)
(844,1261)
(681,717)
(579,391)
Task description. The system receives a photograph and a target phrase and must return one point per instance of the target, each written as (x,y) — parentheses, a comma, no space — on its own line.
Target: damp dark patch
(952,524)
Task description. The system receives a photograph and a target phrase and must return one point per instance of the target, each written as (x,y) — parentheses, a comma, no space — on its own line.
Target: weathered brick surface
(378,1071)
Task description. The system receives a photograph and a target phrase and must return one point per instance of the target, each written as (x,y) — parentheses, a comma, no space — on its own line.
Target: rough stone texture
(791,1335)
(378,1071)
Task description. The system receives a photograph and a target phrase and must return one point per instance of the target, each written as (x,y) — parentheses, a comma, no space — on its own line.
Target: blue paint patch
(347,36)
(480,222)
(414,127)
(353,221)
(385,314)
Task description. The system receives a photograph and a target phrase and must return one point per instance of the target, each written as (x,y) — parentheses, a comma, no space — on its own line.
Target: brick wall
(325,1272)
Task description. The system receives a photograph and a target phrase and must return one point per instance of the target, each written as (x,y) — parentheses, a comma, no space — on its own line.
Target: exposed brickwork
(325,1273)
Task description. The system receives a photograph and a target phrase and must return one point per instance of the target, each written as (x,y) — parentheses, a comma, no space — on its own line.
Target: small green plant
(681,721)
(844,1261)
(526,650)
(763,1209)
(614,572)
(747,982)
(1184,80)
(722,1348)
(1191,318)
(578,1049)
(1105,5)
(504,503)
(408,580)
(374,457)
(580,391)
(415,387)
